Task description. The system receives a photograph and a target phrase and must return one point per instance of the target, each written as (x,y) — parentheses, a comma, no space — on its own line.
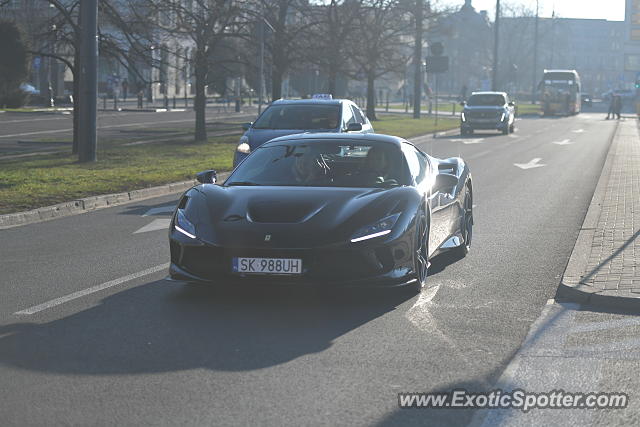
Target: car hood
(257,137)
(293,217)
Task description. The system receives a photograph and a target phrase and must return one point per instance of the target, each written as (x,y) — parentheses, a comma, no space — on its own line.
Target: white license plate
(485,120)
(267,265)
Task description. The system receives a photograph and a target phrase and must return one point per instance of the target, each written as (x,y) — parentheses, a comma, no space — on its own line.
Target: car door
(423,177)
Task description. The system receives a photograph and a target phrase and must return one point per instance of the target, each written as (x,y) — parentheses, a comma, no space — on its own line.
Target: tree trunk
(76,104)
(201,100)
(331,82)
(276,84)
(371,96)
(417,61)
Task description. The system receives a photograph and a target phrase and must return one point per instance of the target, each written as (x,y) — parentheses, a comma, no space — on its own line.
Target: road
(124,346)
(24,133)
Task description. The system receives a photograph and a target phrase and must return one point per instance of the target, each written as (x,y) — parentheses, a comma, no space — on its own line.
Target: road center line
(91,290)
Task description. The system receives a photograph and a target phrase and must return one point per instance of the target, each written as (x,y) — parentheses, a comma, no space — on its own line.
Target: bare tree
(380,43)
(329,39)
(204,24)
(288,21)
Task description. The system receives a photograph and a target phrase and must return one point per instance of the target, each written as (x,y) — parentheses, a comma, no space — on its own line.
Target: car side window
(364,116)
(358,115)
(348,116)
(417,162)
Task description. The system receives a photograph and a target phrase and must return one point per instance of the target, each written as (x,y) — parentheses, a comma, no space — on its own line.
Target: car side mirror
(512,104)
(354,127)
(207,177)
(463,103)
(246,126)
(444,181)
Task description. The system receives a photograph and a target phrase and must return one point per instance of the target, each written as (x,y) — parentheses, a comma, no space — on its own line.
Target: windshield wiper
(246,183)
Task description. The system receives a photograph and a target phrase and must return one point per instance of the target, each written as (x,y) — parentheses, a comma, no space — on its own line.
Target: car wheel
(512,128)
(421,251)
(463,132)
(505,130)
(466,224)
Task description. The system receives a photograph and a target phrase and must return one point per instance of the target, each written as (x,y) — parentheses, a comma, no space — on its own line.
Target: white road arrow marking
(468,141)
(578,131)
(473,141)
(532,164)
(161,209)
(563,142)
(156,224)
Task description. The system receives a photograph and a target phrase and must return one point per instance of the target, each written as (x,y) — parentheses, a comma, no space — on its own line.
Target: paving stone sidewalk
(605,265)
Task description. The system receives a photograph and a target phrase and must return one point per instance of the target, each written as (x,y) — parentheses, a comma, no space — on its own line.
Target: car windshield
(486,99)
(299,117)
(339,163)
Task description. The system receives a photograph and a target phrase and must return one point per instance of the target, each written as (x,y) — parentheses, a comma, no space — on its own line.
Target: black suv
(487,110)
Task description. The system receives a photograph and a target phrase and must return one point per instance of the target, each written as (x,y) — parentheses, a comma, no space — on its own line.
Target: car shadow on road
(442,261)
(165,208)
(166,327)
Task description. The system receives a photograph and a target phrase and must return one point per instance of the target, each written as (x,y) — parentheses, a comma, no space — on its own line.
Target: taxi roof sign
(322,96)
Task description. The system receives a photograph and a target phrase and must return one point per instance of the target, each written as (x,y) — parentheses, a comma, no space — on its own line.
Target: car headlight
(183,225)
(502,117)
(463,117)
(376,229)
(243,146)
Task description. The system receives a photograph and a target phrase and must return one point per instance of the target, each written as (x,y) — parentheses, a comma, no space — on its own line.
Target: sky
(612,10)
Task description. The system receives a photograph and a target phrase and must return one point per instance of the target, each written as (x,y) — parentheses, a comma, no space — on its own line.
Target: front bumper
(373,264)
(472,125)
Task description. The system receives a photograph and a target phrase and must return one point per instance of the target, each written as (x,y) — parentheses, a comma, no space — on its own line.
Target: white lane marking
(513,136)
(156,224)
(34,120)
(36,133)
(578,131)
(158,210)
(91,290)
(419,314)
(468,141)
(563,142)
(533,163)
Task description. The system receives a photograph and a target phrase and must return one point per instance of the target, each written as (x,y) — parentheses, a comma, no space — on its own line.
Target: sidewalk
(604,268)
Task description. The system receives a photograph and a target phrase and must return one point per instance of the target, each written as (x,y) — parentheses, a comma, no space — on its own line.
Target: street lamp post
(534,85)
(261,31)
(496,46)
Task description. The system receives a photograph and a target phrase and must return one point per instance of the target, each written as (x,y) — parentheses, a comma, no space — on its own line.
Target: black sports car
(325,209)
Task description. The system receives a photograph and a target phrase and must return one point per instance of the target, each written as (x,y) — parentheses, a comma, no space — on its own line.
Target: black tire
(466,224)
(463,132)
(505,131)
(421,250)
(512,128)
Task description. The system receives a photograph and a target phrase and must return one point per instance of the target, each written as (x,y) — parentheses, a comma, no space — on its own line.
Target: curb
(570,288)
(92,203)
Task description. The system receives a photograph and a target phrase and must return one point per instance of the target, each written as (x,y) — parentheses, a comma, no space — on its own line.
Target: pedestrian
(463,93)
(617,106)
(125,89)
(610,112)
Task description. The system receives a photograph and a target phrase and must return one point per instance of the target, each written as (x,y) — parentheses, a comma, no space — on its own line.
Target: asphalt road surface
(23,133)
(91,333)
